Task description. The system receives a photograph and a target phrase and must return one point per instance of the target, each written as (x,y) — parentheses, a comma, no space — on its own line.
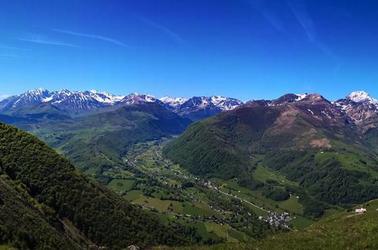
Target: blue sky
(248,49)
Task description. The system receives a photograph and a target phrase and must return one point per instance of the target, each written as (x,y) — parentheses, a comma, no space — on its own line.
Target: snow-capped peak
(36,92)
(300,97)
(362,96)
(225,103)
(135,98)
(64,92)
(217,99)
(203,102)
(32,96)
(81,101)
(104,97)
(172,101)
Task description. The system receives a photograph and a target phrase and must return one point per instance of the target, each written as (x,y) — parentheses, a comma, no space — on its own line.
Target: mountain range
(76,102)
(111,123)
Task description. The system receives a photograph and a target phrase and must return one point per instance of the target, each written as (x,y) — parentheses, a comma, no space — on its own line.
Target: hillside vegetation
(44,201)
(25,226)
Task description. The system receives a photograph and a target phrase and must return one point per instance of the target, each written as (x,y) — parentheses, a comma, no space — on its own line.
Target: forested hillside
(44,201)
(26,224)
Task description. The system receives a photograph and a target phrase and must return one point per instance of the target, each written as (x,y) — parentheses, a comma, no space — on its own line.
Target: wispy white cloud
(268,14)
(37,39)
(92,36)
(301,14)
(173,35)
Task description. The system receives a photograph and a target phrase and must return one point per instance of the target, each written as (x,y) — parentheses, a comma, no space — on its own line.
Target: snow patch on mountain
(362,96)
(300,97)
(173,101)
(104,97)
(201,102)
(136,98)
(225,103)
(3,96)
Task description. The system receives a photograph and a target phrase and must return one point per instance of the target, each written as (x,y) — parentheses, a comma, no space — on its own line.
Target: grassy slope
(97,213)
(345,230)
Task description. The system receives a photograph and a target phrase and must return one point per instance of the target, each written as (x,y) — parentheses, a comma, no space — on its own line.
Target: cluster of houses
(208,184)
(277,220)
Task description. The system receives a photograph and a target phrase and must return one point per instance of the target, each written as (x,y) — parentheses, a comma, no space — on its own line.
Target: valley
(173,191)
(176,194)
(232,176)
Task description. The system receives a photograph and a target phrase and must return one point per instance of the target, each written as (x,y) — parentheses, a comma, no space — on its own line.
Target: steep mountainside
(46,204)
(26,225)
(307,139)
(361,108)
(363,111)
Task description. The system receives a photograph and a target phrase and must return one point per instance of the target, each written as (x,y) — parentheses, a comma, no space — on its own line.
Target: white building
(360,210)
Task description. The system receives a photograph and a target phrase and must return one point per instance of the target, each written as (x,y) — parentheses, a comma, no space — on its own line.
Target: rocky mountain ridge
(86,101)
(359,107)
